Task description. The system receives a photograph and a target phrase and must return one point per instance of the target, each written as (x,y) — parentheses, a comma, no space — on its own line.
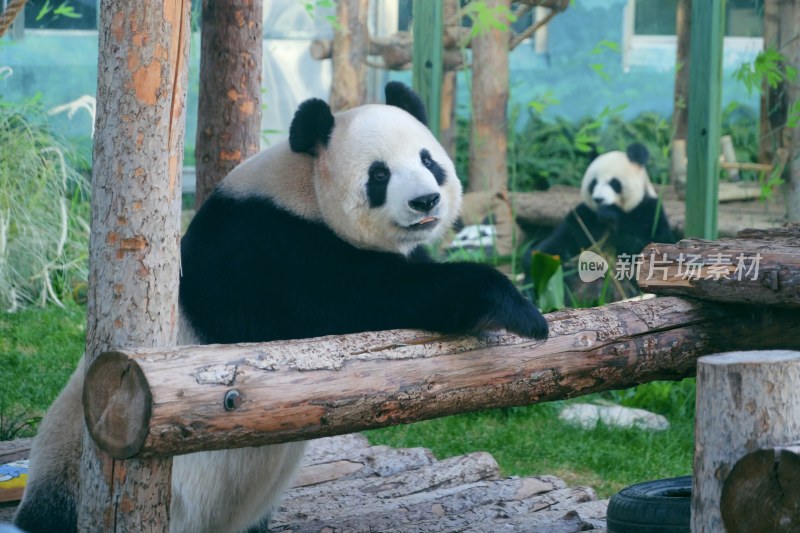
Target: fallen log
(758,267)
(192,398)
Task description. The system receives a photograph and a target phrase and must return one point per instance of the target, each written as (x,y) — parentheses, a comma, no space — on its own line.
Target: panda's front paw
(500,305)
(515,313)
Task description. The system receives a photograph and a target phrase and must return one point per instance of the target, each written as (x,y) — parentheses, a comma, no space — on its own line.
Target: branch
(165,402)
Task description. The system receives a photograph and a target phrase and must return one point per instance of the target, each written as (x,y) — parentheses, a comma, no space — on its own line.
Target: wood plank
(451,508)
(14,450)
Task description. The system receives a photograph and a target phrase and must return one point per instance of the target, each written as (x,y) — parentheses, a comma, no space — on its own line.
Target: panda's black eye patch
(428,162)
(377,183)
(592,185)
(616,185)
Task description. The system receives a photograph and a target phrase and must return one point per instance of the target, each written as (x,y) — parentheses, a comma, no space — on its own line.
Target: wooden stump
(762,492)
(746,401)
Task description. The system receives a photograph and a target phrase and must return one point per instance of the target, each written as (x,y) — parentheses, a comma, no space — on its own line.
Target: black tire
(661,506)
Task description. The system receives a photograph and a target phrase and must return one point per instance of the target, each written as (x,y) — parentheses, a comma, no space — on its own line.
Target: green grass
(39,349)
(532,440)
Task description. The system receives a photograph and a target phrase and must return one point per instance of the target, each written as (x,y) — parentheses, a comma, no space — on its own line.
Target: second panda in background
(619,208)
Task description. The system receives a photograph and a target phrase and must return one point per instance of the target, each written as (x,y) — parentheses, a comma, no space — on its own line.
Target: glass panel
(655,17)
(743,18)
(61,14)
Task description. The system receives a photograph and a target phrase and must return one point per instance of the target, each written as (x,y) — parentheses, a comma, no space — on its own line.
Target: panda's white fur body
(318,235)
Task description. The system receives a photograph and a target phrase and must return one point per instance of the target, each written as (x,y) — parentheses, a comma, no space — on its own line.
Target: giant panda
(325,233)
(619,207)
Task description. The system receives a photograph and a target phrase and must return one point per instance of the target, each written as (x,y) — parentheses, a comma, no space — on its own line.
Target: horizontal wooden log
(762,491)
(763,267)
(165,402)
(395,50)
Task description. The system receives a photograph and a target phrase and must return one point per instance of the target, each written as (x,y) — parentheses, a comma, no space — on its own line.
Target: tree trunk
(350,48)
(791,50)
(488,140)
(448,128)
(212,397)
(229,106)
(133,255)
(488,145)
(745,401)
(680,113)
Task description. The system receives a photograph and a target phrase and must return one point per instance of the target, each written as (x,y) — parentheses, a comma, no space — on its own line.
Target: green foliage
(671,399)
(485,18)
(43,211)
(544,153)
(548,281)
(63,10)
(769,66)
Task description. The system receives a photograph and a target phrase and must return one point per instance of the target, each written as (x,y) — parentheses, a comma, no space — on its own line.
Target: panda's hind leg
(231,491)
(50,499)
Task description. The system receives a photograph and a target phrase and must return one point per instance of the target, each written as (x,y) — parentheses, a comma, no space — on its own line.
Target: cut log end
(762,492)
(117,412)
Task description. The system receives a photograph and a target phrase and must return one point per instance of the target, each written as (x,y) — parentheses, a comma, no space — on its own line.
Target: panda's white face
(613,180)
(383,182)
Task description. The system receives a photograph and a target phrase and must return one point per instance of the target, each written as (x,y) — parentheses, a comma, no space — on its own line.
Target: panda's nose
(599,200)
(424,203)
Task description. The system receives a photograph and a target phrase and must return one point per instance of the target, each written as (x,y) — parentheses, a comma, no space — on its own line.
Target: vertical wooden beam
(428,27)
(135,231)
(229,103)
(349,55)
(705,92)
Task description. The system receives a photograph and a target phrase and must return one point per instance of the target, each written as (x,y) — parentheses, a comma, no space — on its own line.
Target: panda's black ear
(311,126)
(637,153)
(400,95)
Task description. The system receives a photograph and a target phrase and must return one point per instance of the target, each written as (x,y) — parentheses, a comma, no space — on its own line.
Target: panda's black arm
(461,297)
(643,225)
(569,237)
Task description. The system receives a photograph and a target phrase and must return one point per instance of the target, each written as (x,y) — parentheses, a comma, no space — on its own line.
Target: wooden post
(705,90)
(197,398)
(488,145)
(229,105)
(349,53)
(680,109)
(762,492)
(427,63)
(133,255)
(792,52)
(745,401)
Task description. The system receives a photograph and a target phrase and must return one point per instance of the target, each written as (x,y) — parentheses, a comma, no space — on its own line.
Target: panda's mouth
(425,223)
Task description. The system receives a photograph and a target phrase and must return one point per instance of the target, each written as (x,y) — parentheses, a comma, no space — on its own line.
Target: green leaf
(548,281)
(46,8)
(66,11)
